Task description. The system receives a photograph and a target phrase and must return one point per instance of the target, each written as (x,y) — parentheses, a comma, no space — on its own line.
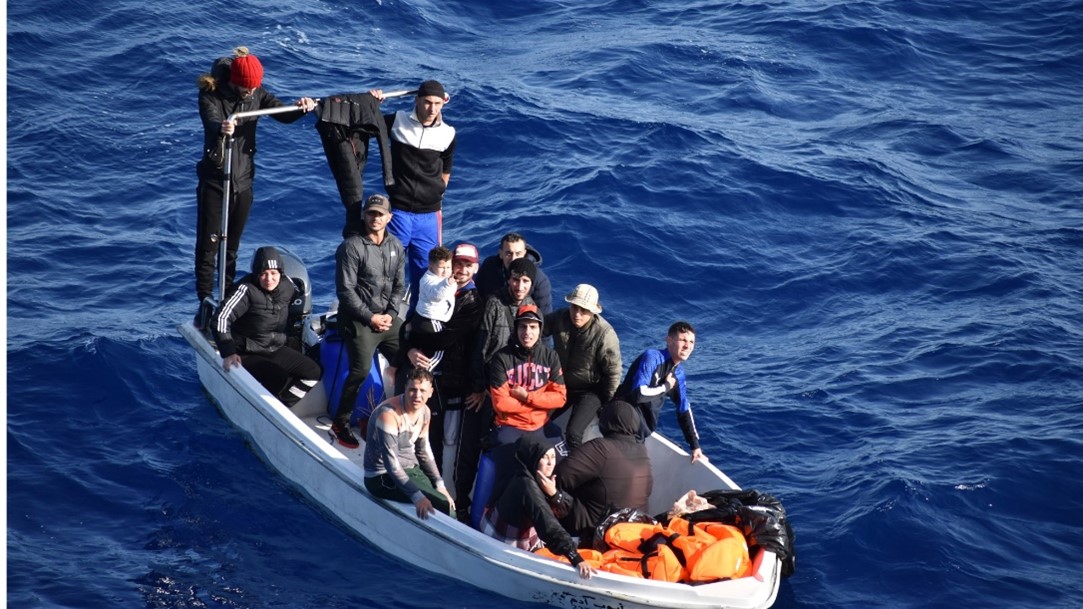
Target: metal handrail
(223,236)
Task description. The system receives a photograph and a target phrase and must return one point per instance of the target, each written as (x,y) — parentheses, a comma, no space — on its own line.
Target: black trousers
(209,225)
(585,406)
(474,427)
(287,373)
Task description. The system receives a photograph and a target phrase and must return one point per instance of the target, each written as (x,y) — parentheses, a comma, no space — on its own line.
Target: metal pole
(402,93)
(223,237)
(223,233)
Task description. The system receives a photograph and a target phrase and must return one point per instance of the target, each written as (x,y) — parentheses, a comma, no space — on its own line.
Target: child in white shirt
(435,304)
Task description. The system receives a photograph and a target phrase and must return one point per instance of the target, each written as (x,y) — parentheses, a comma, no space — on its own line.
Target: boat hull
(299,446)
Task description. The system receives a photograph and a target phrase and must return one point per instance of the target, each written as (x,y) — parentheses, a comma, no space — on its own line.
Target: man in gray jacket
(589,352)
(370,282)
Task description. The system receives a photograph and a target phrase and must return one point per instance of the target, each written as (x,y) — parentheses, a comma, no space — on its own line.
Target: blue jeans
(418,233)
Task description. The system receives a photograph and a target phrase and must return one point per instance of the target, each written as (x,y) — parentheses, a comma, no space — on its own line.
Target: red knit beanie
(246,71)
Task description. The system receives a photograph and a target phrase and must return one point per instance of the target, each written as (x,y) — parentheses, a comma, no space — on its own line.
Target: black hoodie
(607,473)
(523,504)
(492,276)
(251,320)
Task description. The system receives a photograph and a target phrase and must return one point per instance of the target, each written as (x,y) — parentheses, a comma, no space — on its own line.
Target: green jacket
(590,357)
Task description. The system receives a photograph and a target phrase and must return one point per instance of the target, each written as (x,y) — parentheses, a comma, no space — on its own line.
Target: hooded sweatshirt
(607,473)
(492,277)
(251,320)
(522,515)
(538,370)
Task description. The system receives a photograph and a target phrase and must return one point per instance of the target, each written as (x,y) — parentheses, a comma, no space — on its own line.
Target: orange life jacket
(681,552)
(723,556)
(593,557)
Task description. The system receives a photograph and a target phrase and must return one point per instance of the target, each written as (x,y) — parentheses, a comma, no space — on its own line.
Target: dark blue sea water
(871,211)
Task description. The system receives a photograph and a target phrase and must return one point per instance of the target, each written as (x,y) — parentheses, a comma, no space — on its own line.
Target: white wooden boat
(299,445)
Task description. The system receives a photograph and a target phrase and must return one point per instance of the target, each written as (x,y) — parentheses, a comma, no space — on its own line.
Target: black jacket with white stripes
(250,320)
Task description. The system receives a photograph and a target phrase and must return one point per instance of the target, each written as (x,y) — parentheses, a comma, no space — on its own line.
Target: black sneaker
(345,435)
(462,514)
(198,321)
(202,320)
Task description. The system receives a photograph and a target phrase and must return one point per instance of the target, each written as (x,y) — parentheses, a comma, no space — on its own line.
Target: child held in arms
(435,304)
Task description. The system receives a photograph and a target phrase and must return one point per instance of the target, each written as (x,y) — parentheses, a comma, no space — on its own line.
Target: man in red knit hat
(234,85)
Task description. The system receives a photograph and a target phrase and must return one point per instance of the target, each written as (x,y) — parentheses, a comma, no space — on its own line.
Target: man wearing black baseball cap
(422,150)
(370,286)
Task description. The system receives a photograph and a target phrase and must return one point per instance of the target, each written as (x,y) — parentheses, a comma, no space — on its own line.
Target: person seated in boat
(526,385)
(658,373)
(606,473)
(523,515)
(398,458)
(370,284)
(250,328)
(589,352)
(496,270)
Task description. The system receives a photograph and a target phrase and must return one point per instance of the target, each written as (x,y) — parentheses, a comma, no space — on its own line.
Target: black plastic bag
(760,517)
(621,515)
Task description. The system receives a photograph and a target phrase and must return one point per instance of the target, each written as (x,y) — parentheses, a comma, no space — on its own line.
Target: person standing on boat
(496,270)
(370,285)
(425,328)
(658,373)
(422,151)
(589,351)
(498,319)
(234,85)
(454,403)
(525,513)
(399,464)
(250,328)
(495,331)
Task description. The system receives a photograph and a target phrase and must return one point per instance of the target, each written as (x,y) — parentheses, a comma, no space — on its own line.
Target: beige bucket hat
(586,296)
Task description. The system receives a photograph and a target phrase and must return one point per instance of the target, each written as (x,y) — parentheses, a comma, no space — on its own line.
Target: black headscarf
(528,453)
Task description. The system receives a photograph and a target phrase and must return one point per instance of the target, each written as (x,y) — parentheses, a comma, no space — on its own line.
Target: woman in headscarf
(523,515)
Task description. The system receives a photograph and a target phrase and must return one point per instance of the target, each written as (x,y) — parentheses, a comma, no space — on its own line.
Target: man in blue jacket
(658,373)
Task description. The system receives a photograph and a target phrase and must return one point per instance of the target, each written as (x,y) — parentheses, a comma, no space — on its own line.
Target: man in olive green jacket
(589,352)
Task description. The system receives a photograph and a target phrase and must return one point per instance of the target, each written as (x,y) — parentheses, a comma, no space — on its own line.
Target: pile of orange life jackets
(678,552)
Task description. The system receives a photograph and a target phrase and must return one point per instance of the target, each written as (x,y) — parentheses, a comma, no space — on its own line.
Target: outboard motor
(298,274)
